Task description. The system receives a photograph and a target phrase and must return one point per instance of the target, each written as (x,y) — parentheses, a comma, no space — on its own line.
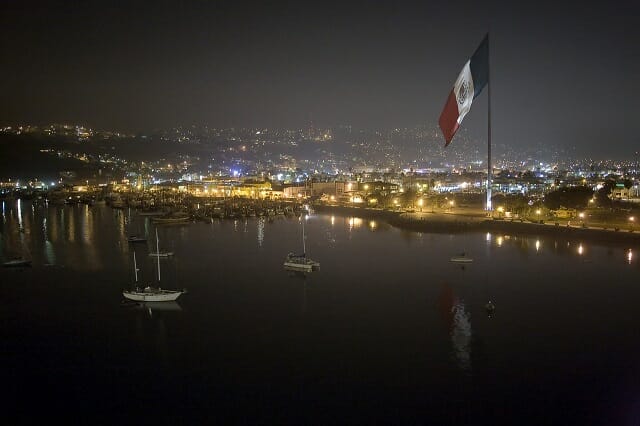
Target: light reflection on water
(260,230)
(386,306)
(62,226)
(20,226)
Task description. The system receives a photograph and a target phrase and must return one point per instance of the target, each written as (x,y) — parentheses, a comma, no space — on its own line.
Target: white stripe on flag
(463,89)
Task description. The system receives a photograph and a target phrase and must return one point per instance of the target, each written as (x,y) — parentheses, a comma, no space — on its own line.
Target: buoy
(490,307)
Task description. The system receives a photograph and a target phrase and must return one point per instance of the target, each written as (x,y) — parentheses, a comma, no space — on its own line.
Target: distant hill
(20,158)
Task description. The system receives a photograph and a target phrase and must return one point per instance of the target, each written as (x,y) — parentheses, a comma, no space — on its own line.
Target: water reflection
(354,223)
(458,323)
(20,226)
(260,226)
(48,228)
(49,253)
(301,277)
(87,225)
(152,307)
(461,335)
(151,334)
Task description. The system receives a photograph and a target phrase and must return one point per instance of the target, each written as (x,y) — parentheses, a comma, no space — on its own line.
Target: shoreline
(459,223)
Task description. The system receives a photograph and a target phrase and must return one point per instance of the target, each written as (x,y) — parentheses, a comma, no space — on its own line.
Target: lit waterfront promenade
(476,220)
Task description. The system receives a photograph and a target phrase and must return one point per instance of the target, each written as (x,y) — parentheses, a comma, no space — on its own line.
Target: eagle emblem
(463,92)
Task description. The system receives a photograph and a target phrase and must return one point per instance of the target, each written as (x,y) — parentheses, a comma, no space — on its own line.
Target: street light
(420,203)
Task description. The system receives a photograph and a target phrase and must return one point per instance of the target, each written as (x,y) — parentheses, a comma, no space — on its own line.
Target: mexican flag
(472,79)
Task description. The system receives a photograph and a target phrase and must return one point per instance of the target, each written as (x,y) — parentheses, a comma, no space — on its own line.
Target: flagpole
(489,167)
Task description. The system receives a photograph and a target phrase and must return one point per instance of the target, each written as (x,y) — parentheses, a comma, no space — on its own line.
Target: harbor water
(388,330)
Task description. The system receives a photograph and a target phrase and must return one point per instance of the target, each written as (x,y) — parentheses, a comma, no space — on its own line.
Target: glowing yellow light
(629,256)
(538,211)
(499,241)
(372,224)
(366,187)
(333,198)
(581,215)
(420,202)
(537,245)
(333,220)
(500,209)
(580,250)
(632,218)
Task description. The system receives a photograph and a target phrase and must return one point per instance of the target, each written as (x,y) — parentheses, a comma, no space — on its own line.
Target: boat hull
(167,254)
(170,221)
(461,260)
(298,266)
(297,263)
(16,263)
(155,295)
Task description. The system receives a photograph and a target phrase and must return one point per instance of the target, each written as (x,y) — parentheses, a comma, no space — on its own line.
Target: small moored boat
(161,254)
(461,258)
(14,263)
(136,239)
(300,262)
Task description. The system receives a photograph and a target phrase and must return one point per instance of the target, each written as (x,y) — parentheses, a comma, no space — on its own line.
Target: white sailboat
(300,262)
(148,293)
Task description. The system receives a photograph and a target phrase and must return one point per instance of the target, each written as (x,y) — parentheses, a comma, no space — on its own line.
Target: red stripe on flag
(449,118)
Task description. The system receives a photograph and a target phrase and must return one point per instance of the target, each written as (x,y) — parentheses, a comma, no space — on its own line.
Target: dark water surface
(387,332)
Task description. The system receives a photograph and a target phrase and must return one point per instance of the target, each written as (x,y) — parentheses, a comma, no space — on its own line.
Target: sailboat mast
(304,247)
(158,253)
(135,266)
(489,165)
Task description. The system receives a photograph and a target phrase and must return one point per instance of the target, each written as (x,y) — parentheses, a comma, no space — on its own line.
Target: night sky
(564,75)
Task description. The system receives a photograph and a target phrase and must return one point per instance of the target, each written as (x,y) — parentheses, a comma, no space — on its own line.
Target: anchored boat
(149,293)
